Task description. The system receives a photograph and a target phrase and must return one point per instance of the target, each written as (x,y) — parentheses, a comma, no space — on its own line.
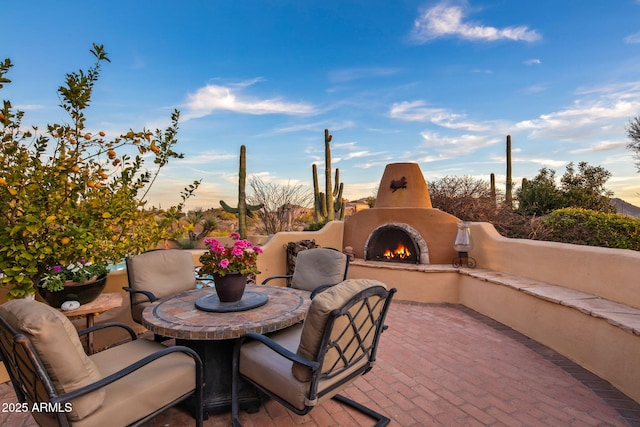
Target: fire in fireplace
(398,254)
(393,243)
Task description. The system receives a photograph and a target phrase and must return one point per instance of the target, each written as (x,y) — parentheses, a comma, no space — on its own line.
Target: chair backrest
(161,272)
(44,358)
(341,332)
(319,266)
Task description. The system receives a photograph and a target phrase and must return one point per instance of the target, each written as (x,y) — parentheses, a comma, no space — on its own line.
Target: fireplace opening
(392,244)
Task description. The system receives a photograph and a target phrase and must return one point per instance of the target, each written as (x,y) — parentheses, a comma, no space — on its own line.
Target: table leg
(217,357)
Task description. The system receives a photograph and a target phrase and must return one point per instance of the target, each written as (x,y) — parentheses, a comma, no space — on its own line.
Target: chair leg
(381,419)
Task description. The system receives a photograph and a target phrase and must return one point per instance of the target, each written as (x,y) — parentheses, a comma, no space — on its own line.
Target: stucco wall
(609,273)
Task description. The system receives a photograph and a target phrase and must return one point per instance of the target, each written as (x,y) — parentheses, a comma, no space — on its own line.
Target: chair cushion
(274,372)
(58,346)
(143,391)
(318,266)
(316,319)
(161,272)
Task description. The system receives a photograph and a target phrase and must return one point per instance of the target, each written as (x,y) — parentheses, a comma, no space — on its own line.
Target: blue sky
(440,83)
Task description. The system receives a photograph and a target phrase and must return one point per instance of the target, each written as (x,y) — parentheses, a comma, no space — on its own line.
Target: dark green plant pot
(81,292)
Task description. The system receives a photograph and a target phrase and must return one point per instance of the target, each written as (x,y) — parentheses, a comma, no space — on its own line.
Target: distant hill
(625,208)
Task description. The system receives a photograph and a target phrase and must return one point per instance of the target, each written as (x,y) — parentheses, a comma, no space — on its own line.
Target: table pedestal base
(217,356)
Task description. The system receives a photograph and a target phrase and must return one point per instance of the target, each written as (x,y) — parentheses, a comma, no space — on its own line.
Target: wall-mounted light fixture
(463,245)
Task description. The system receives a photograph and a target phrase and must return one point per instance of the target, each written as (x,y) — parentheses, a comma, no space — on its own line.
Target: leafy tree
(540,195)
(585,189)
(67,194)
(633,132)
(582,188)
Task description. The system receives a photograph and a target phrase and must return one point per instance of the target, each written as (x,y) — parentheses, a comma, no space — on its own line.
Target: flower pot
(230,287)
(81,292)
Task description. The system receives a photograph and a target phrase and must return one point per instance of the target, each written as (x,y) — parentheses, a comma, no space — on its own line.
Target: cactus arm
(228,208)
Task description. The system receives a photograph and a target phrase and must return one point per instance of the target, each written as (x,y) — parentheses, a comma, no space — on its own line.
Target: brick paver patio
(445,365)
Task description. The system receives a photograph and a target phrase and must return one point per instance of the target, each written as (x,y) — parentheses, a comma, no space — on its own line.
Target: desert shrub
(315,226)
(593,228)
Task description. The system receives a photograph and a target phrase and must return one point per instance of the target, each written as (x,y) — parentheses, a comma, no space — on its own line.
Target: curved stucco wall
(609,273)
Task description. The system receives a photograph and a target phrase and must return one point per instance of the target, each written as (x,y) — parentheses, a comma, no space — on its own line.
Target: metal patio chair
(60,385)
(306,364)
(316,269)
(158,274)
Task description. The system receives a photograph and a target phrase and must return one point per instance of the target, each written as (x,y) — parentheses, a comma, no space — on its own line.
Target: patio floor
(446,365)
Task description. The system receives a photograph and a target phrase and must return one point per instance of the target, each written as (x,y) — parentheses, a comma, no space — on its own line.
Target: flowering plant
(78,272)
(240,258)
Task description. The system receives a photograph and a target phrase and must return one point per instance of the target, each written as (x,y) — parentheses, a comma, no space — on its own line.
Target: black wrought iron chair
(124,385)
(158,274)
(317,267)
(306,364)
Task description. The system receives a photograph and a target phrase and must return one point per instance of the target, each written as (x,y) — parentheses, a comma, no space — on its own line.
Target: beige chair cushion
(315,321)
(273,372)
(162,272)
(318,266)
(56,343)
(144,390)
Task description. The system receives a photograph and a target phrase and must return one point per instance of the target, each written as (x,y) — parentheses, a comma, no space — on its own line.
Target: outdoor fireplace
(396,243)
(402,227)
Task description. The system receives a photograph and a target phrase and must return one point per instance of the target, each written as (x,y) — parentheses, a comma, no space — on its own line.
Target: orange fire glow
(400,253)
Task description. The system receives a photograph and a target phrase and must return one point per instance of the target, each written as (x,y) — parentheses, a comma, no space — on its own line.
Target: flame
(400,253)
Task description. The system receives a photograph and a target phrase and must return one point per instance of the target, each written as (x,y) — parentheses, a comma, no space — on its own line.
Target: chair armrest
(132,368)
(318,289)
(109,325)
(277,348)
(264,282)
(148,294)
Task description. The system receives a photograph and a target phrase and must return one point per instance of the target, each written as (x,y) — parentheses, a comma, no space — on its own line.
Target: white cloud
(213,97)
(601,146)
(350,74)
(632,38)
(206,157)
(585,117)
(443,20)
(451,146)
(418,111)
(534,61)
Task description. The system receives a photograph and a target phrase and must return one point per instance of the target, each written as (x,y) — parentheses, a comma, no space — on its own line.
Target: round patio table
(213,334)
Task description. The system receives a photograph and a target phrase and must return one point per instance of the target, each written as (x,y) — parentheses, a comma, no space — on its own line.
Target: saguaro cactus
(326,207)
(493,187)
(243,210)
(509,185)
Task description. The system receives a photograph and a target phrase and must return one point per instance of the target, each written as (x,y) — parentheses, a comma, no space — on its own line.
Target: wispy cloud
(592,114)
(207,157)
(632,38)
(214,97)
(445,20)
(601,146)
(451,146)
(419,111)
(350,74)
(534,61)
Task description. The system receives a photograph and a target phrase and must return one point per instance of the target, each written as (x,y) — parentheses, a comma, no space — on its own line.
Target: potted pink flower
(230,265)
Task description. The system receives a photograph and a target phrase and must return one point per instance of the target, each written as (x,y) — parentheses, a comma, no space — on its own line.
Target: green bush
(315,226)
(593,228)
